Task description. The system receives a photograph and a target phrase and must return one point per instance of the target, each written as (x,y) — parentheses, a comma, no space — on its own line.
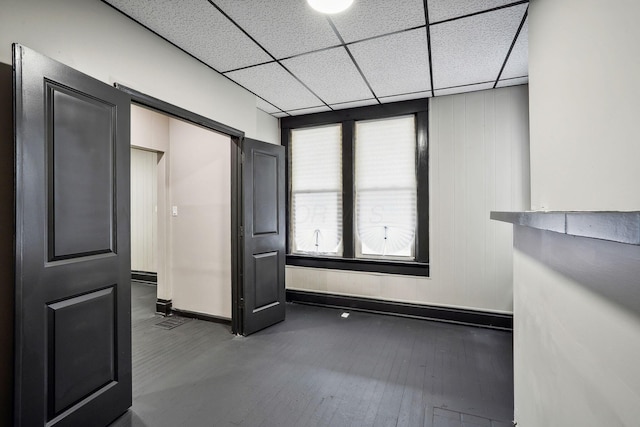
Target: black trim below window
(359,264)
(347,118)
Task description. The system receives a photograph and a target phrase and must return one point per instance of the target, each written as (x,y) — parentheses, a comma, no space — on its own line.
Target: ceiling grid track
(419,91)
(344,45)
(480,12)
(250,66)
(191,55)
(268,53)
(392,33)
(513,43)
(263,45)
(427,25)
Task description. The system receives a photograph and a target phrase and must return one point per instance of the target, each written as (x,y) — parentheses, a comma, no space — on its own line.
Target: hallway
(318,368)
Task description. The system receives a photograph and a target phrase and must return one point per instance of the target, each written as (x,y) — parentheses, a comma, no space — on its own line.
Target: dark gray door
(73,321)
(264,235)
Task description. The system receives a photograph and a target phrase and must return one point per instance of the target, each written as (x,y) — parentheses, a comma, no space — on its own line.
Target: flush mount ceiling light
(330,6)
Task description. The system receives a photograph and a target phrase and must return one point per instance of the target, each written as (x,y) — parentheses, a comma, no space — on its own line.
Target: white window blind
(316,190)
(385,187)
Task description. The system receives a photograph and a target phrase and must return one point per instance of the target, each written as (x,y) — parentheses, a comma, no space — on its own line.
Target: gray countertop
(622,227)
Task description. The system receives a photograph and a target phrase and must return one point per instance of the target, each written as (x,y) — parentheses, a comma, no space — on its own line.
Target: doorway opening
(146,103)
(181,232)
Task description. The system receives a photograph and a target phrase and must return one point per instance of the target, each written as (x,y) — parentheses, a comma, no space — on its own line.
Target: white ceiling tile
(473,49)
(463,89)
(369,18)
(272,82)
(283,27)
(354,104)
(309,110)
(395,64)
(265,106)
(518,62)
(513,82)
(198,28)
(330,74)
(439,10)
(405,97)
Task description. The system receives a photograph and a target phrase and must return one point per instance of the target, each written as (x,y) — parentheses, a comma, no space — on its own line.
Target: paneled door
(264,231)
(73,304)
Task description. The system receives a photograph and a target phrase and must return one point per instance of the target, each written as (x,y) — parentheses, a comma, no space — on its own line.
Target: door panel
(264,239)
(265,193)
(80,212)
(266,278)
(82,355)
(73,303)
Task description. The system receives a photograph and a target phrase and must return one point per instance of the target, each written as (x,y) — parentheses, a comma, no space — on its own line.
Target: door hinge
(242,158)
(241,231)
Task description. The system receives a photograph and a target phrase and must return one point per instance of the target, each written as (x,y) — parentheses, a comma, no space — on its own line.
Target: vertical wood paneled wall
(479,162)
(144,216)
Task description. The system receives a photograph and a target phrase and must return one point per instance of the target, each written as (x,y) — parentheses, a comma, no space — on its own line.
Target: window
(316,190)
(385,188)
(358,189)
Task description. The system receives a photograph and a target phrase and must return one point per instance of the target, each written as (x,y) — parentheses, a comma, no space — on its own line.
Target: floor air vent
(172,322)
(447,418)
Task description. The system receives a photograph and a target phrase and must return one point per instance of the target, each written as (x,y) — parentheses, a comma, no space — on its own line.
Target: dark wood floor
(318,369)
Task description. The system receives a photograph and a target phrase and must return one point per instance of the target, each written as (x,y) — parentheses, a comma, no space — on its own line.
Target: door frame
(236,136)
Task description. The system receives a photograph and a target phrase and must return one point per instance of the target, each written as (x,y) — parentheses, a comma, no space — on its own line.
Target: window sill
(404,268)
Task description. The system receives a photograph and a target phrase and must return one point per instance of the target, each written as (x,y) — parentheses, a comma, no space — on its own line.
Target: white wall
(94,38)
(577,331)
(200,266)
(266,129)
(576,346)
(144,216)
(479,162)
(584,63)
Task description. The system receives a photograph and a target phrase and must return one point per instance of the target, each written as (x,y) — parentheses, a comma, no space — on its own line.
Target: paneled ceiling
(298,61)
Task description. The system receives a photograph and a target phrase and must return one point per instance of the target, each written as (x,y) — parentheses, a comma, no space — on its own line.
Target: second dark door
(264,230)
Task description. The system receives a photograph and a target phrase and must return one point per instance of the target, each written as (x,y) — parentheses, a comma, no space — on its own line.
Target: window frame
(291,223)
(359,252)
(347,118)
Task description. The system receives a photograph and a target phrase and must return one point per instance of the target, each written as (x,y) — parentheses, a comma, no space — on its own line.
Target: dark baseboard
(144,276)
(443,314)
(163,306)
(201,316)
